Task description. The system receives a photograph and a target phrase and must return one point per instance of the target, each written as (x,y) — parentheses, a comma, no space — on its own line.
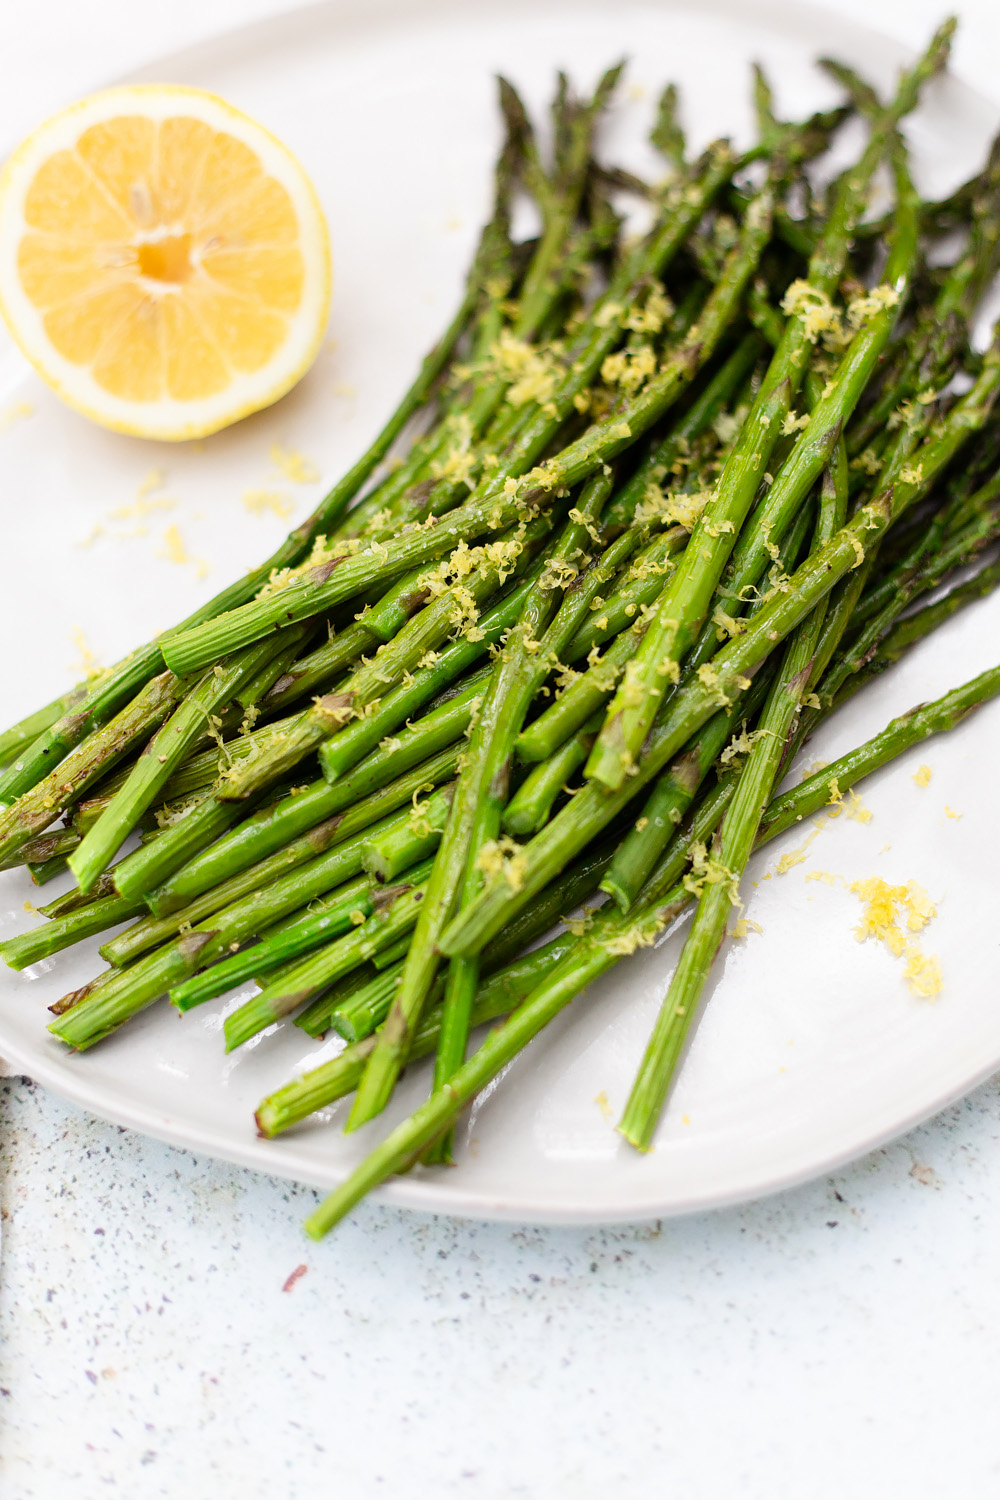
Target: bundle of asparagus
(665,504)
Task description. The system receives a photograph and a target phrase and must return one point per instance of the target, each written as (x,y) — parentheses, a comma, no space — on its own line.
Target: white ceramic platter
(811,1050)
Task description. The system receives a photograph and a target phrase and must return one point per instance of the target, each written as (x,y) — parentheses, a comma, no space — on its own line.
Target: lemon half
(164,260)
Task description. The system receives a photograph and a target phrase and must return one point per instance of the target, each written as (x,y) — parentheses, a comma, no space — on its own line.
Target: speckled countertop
(166,1330)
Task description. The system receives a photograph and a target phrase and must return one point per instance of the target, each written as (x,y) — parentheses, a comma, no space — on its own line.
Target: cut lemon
(164,260)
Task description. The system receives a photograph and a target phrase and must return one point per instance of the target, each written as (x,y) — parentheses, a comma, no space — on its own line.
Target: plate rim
(430,1196)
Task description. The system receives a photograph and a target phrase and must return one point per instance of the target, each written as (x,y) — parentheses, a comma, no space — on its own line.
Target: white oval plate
(811,1051)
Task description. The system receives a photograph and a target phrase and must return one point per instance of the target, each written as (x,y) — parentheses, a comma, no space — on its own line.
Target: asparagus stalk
(511,689)
(148,867)
(345,749)
(732,846)
(395,771)
(394,663)
(299,934)
(434,1118)
(672,795)
(734,664)
(324,585)
(685,601)
(43,871)
(516,679)
(316,1020)
(250,693)
(579,701)
(386,958)
(610,938)
(42,804)
(321,667)
(41,942)
(74,898)
(703,411)
(396,911)
(917,626)
(146,980)
(644,844)
(340,847)
(333,1080)
(60,841)
(359,1015)
(531,805)
(163,755)
(389,853)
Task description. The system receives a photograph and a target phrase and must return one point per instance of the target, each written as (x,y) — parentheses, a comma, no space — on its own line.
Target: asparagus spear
(42,804)
(435,1117)
(358,1015)
(709,405)
(324,585)
(516,679)
(733,843)
(610,937)
(60,841)
(153,975)
(41,942)
(570,829)
(317,1018)
(341,751)
(163,754)
(321,923)
(396,772)
(907,632)
(338,1077)
(389,853)
(558,258)
(395,911)
(531,805)
(685,601)
(511,688)
(148,867)
(339,840)
(680,1006)
(362,1010)
(580,700)
(394,663)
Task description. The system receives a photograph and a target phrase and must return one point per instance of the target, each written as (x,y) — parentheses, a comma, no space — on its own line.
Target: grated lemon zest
(88,668)
(260,502)
(293,465)
(16,413)
(884,906)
